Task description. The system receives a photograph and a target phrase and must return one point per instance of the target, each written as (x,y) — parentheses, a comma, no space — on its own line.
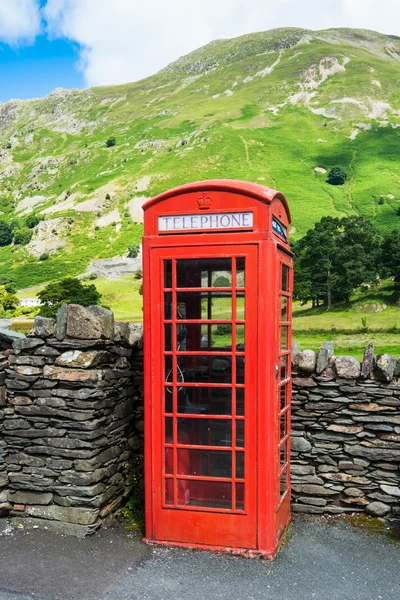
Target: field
(349,326)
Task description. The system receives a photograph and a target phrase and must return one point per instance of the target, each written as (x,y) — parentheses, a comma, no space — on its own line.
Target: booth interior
(204,334)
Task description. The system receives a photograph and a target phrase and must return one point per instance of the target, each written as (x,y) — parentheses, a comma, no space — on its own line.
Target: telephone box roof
(255,190)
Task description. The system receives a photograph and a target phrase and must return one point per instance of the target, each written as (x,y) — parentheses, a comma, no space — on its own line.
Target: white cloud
(19,21)
(125,40)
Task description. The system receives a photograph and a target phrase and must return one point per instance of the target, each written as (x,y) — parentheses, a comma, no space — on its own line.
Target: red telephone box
(217,317)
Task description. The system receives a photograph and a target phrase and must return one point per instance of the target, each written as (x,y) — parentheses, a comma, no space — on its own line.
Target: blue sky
(46,44)
(33,71)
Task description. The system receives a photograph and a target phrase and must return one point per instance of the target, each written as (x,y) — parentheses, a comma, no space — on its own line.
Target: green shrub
(138,274)
(44,256)
(133,251)
(336,176)
(7,301)
(32,220)
(9,282)
(5,234)
(223,329)
(22,236)
(221,281)
(111,142)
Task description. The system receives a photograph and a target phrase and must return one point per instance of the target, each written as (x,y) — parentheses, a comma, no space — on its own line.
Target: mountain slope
(268,107)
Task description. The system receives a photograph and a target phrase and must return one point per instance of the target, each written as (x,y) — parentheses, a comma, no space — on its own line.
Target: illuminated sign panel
(278,228)
(204,222)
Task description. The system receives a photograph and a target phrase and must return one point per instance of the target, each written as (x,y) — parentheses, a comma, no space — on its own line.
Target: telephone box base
(255,554)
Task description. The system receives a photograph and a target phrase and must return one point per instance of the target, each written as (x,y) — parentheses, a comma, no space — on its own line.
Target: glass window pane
(205,305)
(283,425)
(168,430)
(240,306)
(215,494)
(240,434)
(240,338)
(205,432)
(194,337)
(285,278)
(240,465)
(240,273)
(283,483)
(169,461)
(168,397)
(168,273)
(240,367)
(167,306)
(283,455)
(284,338)
(168,374)
(240,402)
(205,400)
(284,367)
(240,496)
(204,272)
(282,394)
(284,308)
(205,369)
(168,337)
(209,463)
(169,491)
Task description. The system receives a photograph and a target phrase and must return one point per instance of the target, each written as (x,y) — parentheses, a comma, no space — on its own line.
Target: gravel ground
(319,561)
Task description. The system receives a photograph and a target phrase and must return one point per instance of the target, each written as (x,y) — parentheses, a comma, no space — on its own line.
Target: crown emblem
(204,202)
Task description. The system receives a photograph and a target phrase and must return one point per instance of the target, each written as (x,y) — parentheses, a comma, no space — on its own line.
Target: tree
(9,283)
(111,142)
(391,257)
(334,258)
(222,281)
(336,176)
(68,290)
(5,234)
(7,301)
(22,236)
(31,221)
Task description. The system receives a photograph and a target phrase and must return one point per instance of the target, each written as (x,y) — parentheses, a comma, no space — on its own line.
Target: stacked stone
(73,398)
(6,340)
(4,506)
(345,433)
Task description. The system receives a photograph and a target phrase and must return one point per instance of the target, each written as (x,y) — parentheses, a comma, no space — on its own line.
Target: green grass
(311,327)
(122,296)
(350,326)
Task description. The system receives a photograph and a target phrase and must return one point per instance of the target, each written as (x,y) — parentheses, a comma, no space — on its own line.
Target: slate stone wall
(4,507)
(345,433)
(74,418)
(71,421)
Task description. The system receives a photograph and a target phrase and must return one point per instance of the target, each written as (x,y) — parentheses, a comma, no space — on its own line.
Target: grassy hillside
(268,107)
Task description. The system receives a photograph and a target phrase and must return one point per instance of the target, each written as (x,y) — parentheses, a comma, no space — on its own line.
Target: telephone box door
(204,372)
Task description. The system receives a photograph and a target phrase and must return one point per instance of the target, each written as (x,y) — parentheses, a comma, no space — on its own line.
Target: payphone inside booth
(217,303)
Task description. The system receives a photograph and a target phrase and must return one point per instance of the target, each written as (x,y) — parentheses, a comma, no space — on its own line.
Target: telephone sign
(217,319)
(237,220)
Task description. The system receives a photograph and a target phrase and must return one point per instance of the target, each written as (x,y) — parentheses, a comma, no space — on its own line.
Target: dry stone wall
(6,340)
(73,419)
(345,433)
(71,422)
